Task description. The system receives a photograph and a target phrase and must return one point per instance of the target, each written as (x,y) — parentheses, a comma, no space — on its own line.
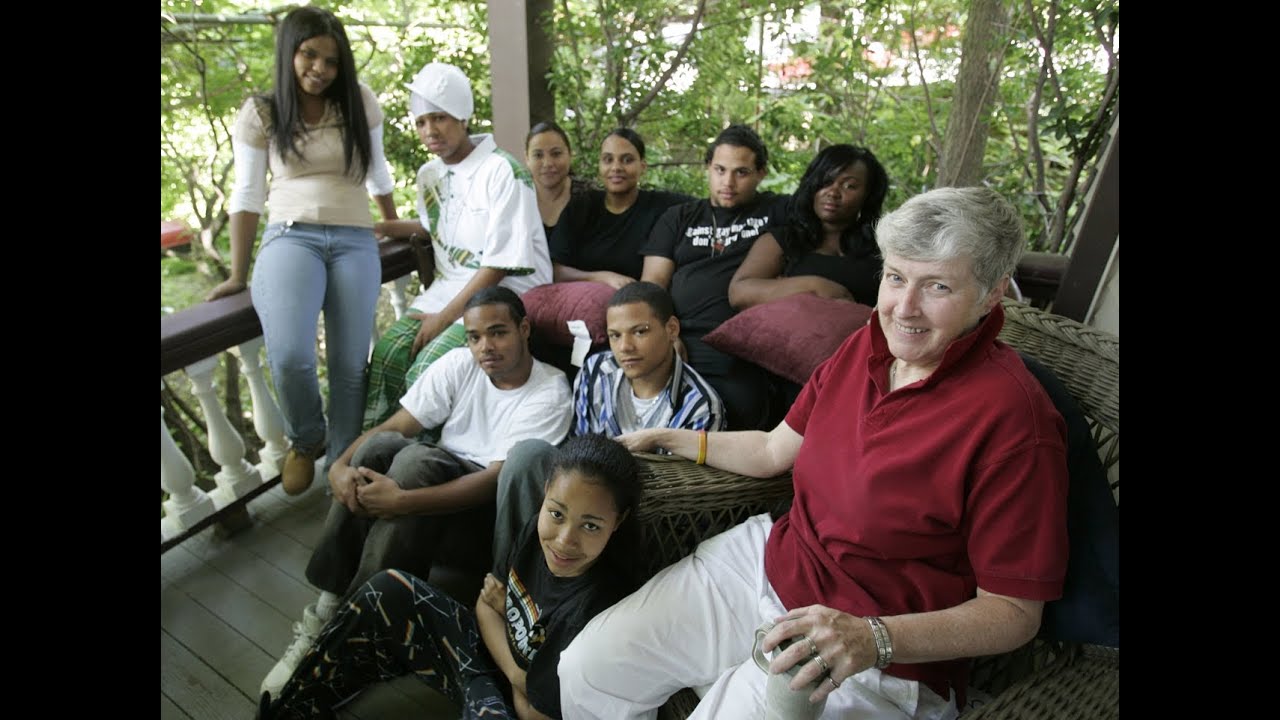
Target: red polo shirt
(908,502)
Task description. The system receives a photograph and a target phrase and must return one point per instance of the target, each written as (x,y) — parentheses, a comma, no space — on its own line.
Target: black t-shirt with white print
(545,613)
(707,245)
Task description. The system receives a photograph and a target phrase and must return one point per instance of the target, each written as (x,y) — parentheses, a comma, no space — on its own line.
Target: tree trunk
(982,56)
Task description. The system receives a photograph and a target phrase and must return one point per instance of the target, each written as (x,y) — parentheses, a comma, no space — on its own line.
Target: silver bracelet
(884,646)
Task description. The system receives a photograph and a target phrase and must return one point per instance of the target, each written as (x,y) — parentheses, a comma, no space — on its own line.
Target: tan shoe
(299,471)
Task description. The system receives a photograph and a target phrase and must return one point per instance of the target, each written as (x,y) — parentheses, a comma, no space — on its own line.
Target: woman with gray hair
(929,519)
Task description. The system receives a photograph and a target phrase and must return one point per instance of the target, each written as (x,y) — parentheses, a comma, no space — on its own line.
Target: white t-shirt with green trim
(481,212)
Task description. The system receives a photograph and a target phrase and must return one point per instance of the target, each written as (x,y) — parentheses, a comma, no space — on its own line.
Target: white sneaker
(304,636)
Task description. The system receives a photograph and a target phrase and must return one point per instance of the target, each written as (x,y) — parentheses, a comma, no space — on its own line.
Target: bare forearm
(386,206)
(493,629)
(986,625)
(244,228)
(399,228)
(658,270)
(565,273)
(746,452)
(458,494)
(749,292)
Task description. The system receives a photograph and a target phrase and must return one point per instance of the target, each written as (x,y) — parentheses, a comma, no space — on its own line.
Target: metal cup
(780,701)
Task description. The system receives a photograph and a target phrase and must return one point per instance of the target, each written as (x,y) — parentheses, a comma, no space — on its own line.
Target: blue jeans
(302,269)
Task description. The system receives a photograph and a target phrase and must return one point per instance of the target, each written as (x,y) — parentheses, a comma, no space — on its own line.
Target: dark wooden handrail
(1039,274)
(209,328)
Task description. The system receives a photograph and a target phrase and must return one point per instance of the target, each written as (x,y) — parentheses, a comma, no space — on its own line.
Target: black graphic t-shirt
(707,245)
(545,613)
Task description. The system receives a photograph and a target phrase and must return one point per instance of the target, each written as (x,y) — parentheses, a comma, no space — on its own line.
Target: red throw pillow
(551,307)
(790,336)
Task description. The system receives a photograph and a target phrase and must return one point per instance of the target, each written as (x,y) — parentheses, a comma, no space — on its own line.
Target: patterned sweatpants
(395,625)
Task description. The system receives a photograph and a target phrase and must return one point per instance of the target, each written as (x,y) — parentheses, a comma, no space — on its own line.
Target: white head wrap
(440,87)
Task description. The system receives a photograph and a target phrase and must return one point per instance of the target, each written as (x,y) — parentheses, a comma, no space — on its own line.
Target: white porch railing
(188,504)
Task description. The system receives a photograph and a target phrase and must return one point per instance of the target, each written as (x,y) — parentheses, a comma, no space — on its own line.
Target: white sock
(327,605)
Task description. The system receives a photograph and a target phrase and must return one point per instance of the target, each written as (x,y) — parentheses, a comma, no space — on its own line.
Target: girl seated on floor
(575,559)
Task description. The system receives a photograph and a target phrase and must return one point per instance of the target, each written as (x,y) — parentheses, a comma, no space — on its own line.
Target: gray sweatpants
(521,483)
(353,548)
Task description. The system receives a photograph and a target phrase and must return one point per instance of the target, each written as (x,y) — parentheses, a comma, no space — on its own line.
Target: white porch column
(237,476)
(187,504)
(267,420)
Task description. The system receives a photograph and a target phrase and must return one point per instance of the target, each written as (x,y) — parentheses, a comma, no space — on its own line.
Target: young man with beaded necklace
(694,251)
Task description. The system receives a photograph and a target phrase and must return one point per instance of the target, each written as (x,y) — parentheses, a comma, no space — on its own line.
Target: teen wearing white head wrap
(440,87)
(477,205)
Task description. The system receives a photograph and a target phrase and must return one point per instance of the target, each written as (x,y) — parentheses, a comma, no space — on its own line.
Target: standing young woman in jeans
(319,133)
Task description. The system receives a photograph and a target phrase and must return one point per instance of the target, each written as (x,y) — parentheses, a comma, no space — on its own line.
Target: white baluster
(397,295)
(237,476)
(267,421)
(187,504)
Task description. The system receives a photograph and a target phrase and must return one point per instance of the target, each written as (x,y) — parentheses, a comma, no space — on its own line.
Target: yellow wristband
(702,447)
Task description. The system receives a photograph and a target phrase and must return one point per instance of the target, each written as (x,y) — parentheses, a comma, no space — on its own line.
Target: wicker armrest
(674,484)
(686,503)
(1082,684)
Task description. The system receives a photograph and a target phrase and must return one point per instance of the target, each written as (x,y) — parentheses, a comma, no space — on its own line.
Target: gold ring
(813,647)
(834,685)
(822,663)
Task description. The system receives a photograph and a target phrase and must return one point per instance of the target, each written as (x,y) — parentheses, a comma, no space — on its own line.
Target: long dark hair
(602,461)
(299,26)
(857,239)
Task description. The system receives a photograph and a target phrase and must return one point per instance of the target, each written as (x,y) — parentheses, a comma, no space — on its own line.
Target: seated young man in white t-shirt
(640,382)
(395,498)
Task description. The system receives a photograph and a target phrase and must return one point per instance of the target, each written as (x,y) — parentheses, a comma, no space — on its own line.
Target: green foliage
(863,85)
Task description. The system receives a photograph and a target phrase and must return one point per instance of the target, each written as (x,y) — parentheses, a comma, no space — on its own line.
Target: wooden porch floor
(227,608)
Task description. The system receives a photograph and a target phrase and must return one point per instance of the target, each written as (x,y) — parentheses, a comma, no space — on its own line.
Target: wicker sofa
(686,503)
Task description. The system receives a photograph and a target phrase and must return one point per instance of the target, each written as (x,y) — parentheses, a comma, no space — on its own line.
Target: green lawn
(181,285)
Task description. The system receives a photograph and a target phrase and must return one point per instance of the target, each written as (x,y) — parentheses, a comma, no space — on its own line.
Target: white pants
(692,625)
